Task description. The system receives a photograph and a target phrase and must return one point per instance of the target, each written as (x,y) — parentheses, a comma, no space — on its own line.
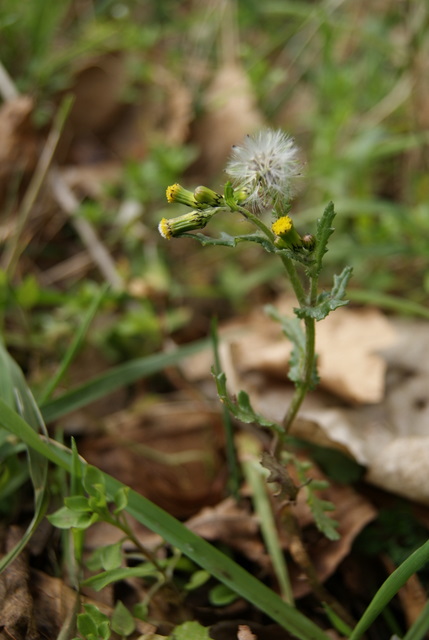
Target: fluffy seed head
(264,166)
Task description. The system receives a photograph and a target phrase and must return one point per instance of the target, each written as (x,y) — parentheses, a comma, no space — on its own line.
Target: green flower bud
(308,242)
(206,197)
(174,227)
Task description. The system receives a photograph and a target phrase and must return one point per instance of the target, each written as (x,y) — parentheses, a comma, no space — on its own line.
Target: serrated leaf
(323,233)
(242,409)
(327,302)
(341,281)
(294,332)
(299,255)
(225,240)
(122,621)
(325,524)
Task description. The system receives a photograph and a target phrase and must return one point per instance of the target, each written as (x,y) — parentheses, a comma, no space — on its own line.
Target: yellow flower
(282,226)
(164,229)
(287,235)
(176,193)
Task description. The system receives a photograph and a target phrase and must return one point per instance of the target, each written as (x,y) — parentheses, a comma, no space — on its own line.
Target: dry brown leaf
(235,526)
(18,150)
(227,630)
(390,438)
(245,633)
(16,600)
(349,343)
(171,453)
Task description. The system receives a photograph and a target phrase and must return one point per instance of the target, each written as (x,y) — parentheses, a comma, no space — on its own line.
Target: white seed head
(264,166)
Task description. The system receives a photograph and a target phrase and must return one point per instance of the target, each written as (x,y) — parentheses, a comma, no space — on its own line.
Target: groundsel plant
(263,171)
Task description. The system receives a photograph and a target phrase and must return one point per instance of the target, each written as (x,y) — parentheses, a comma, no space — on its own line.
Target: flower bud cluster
(204,200)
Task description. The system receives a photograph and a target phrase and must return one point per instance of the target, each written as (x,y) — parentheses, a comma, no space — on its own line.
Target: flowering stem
(287,262)
(309,360)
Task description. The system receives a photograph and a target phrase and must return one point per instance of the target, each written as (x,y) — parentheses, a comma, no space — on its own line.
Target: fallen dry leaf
(244,633)
(172,453)
(16,600)
(349,344)
(234,525)
(389,438)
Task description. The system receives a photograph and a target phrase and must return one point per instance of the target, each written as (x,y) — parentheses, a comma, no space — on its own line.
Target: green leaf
(323,233)
(102,580)
(65,518)
(74,347)
(121,500)
(122,621)
(16,395)
(390,588)
(77,503)
(221,595)
(225,240)
(107,558)
(341,281)
(93,622)
(197,579)
(242,409)
(327,302)
(293,330)
(93,480)
(190,631)
(86,625)
(318,507)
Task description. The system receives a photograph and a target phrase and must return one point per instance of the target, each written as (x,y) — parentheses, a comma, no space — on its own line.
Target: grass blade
(115,378)
(74,347)
(16,396)
(420,627)
(390,588)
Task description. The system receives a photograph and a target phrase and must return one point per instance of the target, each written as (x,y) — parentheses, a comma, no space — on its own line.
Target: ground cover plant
(164,471)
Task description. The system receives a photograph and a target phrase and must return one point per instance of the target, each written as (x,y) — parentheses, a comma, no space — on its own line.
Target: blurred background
(161,90)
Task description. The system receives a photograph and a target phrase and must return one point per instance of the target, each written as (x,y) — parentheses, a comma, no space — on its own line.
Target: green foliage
(93,624)
(242,409)
(327,302)
(122,621)
(190,631)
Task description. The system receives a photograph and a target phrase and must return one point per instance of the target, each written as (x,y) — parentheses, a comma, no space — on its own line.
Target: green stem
(309,359)
(310,333)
